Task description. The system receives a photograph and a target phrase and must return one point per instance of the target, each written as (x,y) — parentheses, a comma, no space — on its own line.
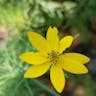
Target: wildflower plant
(72,17)
(51,56)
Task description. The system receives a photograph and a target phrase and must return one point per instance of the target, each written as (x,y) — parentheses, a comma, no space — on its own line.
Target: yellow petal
(37,70)
(52,37)
(33,58)
(65,43)
(38,42)
(77,56)
(57,78)
(73,66)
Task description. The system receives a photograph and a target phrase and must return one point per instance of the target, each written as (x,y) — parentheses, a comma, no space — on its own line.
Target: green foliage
(83,17)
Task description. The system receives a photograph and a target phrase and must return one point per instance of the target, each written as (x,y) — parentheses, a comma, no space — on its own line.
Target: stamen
(53,56)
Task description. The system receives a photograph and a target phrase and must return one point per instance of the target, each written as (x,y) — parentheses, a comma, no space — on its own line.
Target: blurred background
(17,17)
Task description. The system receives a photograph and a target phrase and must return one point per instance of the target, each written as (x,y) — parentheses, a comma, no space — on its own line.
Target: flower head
(50,56)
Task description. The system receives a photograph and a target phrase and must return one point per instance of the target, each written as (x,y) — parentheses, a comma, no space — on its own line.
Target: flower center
(53,56)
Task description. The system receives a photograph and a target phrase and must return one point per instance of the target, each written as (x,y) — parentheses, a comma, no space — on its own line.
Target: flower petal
(37,70)
(65,43)
(38,42)
(57,78)
(77,56)
(52,37)
(33,58)
(73,66)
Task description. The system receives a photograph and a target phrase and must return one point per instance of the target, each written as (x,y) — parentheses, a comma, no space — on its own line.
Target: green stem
(38,83)
(14,94)
(29,89)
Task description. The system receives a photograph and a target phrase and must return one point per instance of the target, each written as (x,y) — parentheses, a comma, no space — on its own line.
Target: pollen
(53,57)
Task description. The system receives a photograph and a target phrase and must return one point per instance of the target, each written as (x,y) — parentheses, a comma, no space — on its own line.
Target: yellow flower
(50,56)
